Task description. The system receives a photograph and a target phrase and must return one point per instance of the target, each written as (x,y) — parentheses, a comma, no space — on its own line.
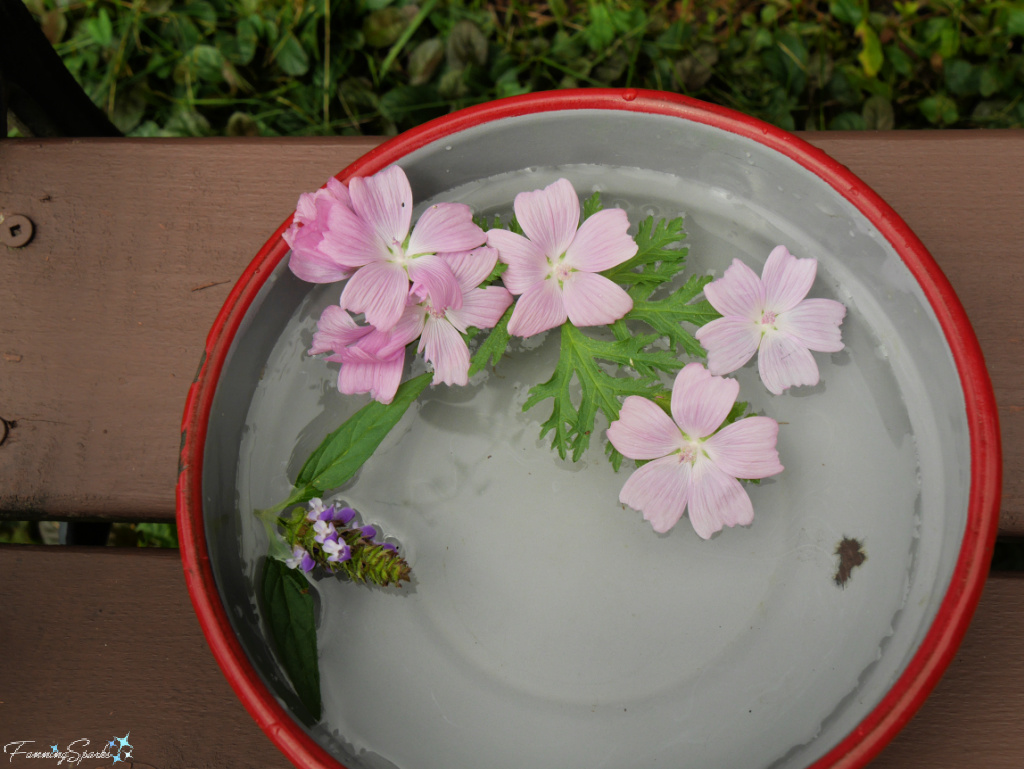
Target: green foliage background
(328,67)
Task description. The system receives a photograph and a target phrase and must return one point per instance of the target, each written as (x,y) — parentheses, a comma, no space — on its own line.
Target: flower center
(689,453)
(768,320)
(560,271)
(398,255)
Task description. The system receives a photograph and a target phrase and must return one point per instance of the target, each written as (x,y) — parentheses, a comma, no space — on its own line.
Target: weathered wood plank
(101,642)
(138,242)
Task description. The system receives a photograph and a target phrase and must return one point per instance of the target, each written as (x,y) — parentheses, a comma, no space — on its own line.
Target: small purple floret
(323,531)
(369,531)
(344,515)
(337,551)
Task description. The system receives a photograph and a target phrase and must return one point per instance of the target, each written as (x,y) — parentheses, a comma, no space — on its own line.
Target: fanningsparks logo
(117,750)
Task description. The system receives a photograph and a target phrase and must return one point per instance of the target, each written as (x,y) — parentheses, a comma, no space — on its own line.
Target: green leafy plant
(247,67)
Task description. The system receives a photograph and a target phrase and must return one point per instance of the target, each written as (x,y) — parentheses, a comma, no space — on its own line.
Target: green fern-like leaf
(600,391)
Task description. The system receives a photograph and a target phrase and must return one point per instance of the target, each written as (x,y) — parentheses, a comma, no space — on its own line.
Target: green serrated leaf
(666,315)
(290,614)
(591,206)
(346,449)
(494,346)
(658,258)
(571,427)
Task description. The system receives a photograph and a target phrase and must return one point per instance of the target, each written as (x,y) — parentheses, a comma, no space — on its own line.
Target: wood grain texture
(113,646)
(138,243)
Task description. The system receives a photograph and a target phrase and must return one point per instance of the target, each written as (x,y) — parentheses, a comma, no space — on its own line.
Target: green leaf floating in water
(345,450)
(288,603)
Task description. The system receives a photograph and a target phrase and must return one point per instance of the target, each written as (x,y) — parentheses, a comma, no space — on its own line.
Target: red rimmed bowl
(547,626)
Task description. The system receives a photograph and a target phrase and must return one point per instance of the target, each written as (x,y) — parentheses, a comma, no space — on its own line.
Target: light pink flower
(310,260)
(770,316)
(554,268)
(371,360)
(443,325)
(377,243)
(693,465)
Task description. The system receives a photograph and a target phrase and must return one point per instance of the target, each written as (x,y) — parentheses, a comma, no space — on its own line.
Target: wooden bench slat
(100,642)
(138,242)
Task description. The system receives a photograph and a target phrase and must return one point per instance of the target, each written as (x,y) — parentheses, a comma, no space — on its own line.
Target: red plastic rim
(946,632)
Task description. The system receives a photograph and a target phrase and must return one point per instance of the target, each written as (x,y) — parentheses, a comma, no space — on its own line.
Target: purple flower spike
(327,514)
(389,546)
(307,563)
(369,531)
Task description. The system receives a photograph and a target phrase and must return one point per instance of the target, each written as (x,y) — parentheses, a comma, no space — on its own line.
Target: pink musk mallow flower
(443,325)
(310,259)
(554,267)
(371,360)
(376,242)
(770,316)
(695,465)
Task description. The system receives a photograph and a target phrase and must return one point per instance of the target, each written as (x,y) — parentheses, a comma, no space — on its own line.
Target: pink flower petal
(746,448)
(378,290)
(305,209)
(443,346)
(539,308)
(336,330)
(738,292)
(471,268)
(700,401)
(643,430)
(593,300)
(308,261)
(660,490)
(384,201)
(350,240)
(717,500)
(786,279)
(814,323)
(527,263)
(730,341)
(378,378)
(481,307)
(338,191)
(409,326)
(601,242)
(433,278)
(783,362)
(445,227)
(549,217)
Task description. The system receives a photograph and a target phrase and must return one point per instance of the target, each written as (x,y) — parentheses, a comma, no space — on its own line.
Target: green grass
(329,67)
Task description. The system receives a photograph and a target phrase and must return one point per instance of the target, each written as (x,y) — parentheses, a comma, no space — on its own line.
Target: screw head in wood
(15,230)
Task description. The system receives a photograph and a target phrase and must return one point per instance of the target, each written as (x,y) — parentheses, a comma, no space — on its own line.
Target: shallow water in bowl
(549,626)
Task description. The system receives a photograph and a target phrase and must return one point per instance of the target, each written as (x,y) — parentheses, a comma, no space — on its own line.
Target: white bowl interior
(548,626)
